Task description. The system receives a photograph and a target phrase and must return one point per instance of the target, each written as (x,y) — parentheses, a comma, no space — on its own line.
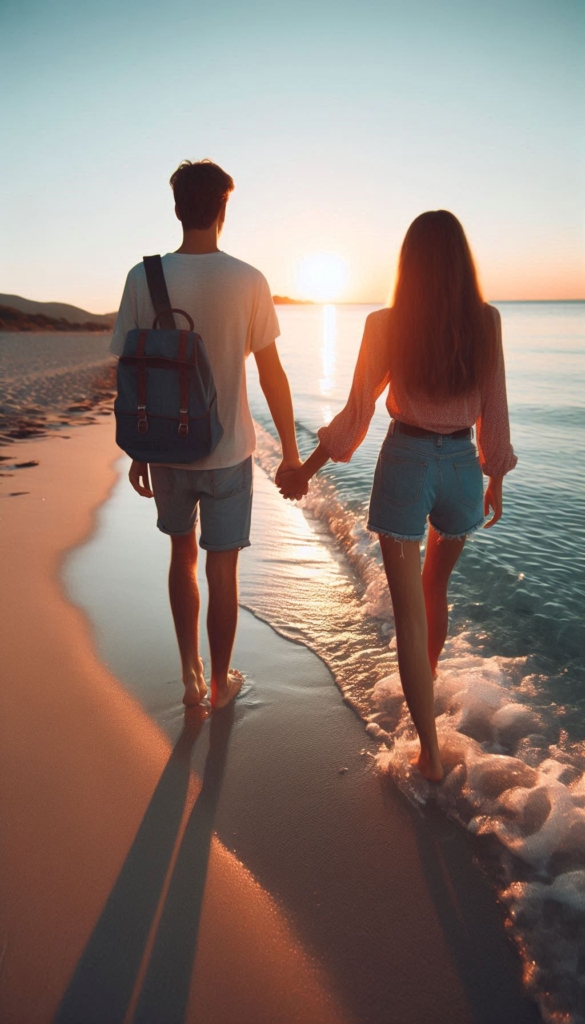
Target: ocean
(510,693)
(518,589)
(510,696)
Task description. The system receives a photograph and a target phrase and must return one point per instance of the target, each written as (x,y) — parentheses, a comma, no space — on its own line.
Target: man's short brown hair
(200,190)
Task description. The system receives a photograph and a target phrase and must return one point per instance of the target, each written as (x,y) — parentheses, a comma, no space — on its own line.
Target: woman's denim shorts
(418,477)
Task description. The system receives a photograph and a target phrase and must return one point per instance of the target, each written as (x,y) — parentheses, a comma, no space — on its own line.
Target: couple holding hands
(437,350)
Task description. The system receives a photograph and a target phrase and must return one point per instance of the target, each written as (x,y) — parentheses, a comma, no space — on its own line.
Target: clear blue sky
(340,122)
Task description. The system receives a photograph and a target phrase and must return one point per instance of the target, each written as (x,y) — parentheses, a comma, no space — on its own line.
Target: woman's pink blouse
(486,407)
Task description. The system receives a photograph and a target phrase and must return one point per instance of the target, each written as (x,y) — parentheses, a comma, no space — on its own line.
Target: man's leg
(222,620)
(184,595)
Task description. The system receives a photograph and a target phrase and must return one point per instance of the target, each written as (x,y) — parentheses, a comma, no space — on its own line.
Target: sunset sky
(339,121)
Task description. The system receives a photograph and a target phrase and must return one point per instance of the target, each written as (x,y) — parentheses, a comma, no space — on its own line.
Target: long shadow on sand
(104,979)
(165,991)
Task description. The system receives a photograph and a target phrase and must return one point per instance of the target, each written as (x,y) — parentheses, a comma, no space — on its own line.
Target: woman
(439,347)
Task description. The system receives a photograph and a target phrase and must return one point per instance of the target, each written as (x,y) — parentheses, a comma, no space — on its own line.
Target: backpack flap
(160,344)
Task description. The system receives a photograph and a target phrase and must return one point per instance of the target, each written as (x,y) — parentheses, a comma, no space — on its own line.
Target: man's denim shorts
(418,477)
(225,497)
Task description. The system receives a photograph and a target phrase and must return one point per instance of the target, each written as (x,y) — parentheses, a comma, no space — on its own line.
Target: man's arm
(139,478)
(274,384)
(126,320)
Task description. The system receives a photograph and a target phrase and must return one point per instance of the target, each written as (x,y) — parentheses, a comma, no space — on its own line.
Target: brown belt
(405,428)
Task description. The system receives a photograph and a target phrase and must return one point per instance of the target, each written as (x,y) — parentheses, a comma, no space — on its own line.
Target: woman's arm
(493,426)
(493,500)
(347,430)
(345,433)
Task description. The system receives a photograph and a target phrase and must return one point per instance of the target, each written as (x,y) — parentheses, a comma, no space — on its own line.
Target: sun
(321,276)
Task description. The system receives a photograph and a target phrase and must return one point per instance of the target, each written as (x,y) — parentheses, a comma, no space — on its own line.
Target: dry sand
(123,897)
(50,381)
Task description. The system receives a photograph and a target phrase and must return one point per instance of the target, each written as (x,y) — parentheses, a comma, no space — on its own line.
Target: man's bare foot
(222,695)
(195,687)
(201,684)
(430,767)
(191,696)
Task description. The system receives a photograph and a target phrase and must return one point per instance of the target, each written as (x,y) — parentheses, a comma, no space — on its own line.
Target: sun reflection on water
(328,349)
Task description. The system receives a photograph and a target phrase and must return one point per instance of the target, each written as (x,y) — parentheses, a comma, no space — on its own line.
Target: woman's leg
(402,565)
(440,558)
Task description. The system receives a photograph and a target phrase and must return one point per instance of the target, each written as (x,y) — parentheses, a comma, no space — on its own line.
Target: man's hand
(287,466)
(139,478)
(293,484)
(493,500)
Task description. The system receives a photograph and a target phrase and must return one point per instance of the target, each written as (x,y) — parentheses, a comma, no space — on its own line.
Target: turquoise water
(510,694)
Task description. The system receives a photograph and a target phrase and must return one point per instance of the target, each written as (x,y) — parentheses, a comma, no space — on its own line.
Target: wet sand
(239,868)
(102,818)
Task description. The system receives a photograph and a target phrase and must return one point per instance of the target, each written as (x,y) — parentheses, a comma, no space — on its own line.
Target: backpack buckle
(142,420)
(184,423)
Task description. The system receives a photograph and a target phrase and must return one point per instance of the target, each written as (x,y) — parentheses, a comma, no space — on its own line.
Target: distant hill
(19,314)
(58,311)
(12,319)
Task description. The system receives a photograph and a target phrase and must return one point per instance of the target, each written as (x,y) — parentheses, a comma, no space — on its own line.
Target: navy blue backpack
(166,407)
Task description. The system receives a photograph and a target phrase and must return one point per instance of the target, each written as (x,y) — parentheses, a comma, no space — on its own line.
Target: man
(232,308)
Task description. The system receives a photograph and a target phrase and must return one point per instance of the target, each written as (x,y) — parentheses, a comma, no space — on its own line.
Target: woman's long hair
(443,340)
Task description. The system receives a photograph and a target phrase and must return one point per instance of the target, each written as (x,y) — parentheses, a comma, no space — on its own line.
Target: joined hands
(293,476)
(290,479)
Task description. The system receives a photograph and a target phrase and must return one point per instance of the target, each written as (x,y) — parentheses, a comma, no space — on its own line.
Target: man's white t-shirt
(233,311)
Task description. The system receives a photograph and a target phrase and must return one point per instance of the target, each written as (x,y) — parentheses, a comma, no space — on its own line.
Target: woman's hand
(139,479)
(493,500)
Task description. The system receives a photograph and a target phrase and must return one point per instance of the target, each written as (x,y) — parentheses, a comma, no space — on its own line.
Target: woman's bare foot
(195,687)
(430,767)
(223,694)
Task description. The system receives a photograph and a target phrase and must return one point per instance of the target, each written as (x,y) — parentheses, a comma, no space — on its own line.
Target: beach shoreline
(87,771)
(356,894)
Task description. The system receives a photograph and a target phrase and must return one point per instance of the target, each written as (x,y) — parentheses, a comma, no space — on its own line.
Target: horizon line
(377,302)
(305,302)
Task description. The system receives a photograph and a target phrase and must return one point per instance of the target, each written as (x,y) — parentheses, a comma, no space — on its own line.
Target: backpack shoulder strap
(157,287)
